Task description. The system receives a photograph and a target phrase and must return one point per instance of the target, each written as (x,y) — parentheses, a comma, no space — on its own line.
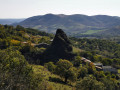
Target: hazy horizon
(28,8)
(56,14)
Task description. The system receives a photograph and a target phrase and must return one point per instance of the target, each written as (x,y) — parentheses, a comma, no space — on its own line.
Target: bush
(15,72)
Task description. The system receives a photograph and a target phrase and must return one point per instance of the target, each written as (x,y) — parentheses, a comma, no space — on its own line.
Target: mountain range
(74,25)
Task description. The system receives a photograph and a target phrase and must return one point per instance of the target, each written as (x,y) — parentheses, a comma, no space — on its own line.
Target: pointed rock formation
(61,43)
(60,48)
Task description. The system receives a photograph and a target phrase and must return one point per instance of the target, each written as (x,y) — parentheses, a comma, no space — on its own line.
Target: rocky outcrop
(61,43)
(60,48)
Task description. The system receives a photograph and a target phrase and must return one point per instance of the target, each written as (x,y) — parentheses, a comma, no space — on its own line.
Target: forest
(36,60)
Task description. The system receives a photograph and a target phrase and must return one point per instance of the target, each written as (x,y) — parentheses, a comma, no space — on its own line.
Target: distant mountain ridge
(71,24)
(10,21)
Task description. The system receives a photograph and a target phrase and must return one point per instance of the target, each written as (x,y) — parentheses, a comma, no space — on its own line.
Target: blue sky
(28,8)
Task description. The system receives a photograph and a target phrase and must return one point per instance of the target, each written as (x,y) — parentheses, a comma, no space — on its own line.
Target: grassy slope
(92,31)
(38,69)
(76,50)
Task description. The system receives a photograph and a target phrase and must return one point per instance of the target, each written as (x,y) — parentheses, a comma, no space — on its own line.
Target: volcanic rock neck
(61,42)
(60,48)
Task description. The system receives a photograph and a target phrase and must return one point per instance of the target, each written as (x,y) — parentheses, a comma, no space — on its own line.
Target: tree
(15,72)
(91,68)
(72,74)
(77,61)
(99,75)
(110,84)
(50,66)
(82,72)
(89,83)
(65,69)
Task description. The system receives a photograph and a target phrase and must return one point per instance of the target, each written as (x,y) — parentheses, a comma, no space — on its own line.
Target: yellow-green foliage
(15,42)
(38,69)
(43,71)
(15,72)
(44,39)
(119,71)
(76,50)
(58,86)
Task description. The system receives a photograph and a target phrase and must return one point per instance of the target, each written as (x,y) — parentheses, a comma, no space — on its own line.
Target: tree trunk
(66,79)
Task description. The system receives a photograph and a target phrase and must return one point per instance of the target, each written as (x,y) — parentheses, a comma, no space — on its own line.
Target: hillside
(33,60)
(71,24)
(114,31)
